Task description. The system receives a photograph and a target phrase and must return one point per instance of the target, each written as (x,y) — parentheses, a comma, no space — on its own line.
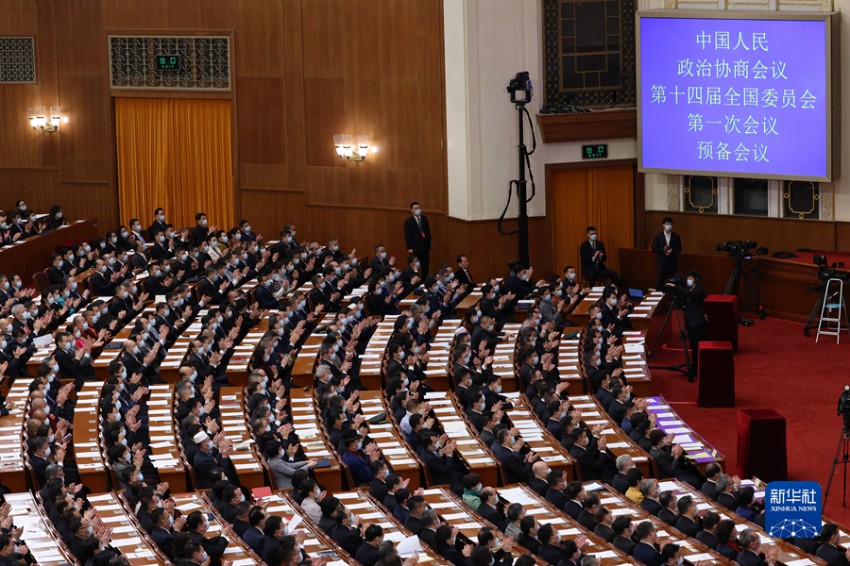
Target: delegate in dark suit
(595,268)
(417,239)
(667,256)
(647,554)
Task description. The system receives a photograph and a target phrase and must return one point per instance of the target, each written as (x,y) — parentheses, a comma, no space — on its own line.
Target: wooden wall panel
(702,232)
(304,70)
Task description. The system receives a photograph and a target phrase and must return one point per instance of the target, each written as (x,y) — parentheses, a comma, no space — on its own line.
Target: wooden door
(600,196)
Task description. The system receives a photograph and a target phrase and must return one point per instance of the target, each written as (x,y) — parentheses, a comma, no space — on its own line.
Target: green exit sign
(598,151)
(167,62)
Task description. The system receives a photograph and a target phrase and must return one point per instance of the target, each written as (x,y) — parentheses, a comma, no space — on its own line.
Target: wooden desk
(439,353)
(372,360)
(569,363)
(165,454)
(549,448)
(544,513)
(361,505)
(305,361)
(618,441)
(693,550)
(696,448)
(456,514)
(469,445)
(391,441)
(787,552)
(305,423)
(245,459)
(41,538)
(635,367)
(127,535)
(237,551)
(317,544)
(33,254)
(88,451)
(12,472)
(503,358)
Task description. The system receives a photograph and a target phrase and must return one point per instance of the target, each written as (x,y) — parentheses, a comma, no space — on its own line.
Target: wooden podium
(722,314)
(716,374)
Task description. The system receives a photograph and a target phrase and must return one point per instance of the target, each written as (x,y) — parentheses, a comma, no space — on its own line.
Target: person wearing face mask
(56,272)
(381,262)
(695,320)
(646,550)
(672,555)
(55,218)
(162,247)
(592,253)
(417,236)
(520,283)
(202,229)
(158,225)
(73,363)
(614,318)
(284,460)
(667,245)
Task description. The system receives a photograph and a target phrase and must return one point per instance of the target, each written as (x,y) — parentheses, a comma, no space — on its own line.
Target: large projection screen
(738,94)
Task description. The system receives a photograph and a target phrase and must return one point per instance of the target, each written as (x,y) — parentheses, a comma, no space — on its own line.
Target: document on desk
(408,546)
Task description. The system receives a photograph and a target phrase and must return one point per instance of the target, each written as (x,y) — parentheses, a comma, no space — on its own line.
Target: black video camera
(844,407)
(738,249)
(676,288)
(520,88)
(827,271)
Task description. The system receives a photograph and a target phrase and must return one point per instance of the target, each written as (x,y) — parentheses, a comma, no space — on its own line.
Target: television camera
(738,249)
(827,271)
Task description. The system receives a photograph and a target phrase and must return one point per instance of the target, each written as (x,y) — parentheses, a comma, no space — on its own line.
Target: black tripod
(844,449)
(816,310)
(740,272)
(675,306)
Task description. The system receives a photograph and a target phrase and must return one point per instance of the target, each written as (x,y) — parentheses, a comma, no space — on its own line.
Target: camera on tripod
(738,249)
(675,288)
(827,271)
(844,407)
(520,88)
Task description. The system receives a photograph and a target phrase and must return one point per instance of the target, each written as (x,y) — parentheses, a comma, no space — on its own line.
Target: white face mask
(593,237)
(668,228)
(690,282)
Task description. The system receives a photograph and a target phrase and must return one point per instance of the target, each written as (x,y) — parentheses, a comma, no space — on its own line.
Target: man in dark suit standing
(417,236)
(694,296)
(667,245)
(592,254)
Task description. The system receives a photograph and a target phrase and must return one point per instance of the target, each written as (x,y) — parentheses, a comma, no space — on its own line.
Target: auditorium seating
(170,461)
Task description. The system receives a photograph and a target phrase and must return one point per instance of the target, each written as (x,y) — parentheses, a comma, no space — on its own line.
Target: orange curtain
(597,196)
(175,154)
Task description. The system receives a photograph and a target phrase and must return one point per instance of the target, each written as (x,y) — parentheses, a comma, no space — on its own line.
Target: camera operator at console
(694,296)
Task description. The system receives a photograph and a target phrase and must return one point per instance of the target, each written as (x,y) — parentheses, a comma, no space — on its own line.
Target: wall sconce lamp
(43,119)
(345,148)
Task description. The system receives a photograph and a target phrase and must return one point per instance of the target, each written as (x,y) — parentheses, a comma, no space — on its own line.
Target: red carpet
(776,367)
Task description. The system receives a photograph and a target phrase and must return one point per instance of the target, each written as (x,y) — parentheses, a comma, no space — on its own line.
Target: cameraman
(694,296)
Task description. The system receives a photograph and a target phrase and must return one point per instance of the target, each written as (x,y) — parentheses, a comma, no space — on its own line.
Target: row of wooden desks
(789,554)
(18,257)
(469,445)
(618,505)
(618,441)
(537,437)
(369,512)
(305,423)
(127,535)
(696,448)
(12,472)
(237,551)
(390,440)
(544,513)
(457,515)
(43,541)
(246,460)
